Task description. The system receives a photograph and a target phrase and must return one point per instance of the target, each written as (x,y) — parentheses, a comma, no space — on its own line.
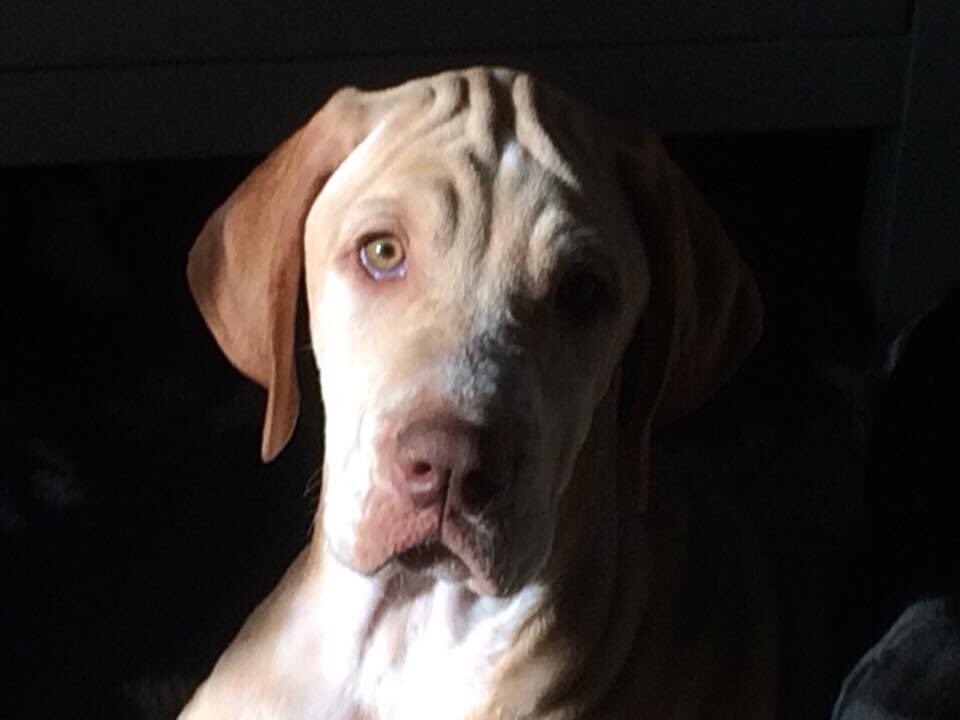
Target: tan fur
(615,586)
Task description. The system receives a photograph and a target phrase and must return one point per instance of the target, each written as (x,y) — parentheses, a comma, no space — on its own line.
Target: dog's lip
(450,556)
(435,558)
(441,542)
(461,537)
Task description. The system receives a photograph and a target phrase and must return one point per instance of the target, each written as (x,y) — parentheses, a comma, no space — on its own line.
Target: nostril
(478,489)
(421,468)
(424,482)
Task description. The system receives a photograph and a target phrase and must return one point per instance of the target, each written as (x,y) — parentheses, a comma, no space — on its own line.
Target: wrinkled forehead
(489,116)
(478,149)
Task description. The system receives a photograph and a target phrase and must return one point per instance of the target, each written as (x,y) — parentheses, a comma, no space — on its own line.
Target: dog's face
(470,290)
(475,267)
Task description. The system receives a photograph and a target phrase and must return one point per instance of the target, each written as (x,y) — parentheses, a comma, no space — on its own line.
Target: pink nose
(441,460)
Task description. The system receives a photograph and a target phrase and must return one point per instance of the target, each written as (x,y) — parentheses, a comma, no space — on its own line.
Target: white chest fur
(362,649)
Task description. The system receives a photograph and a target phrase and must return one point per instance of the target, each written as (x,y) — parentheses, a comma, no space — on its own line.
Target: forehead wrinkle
(501,270)
(433,206)
(550,235)
(491,114)
(448,207)
(468,193)
(533,135)
(450,97)
(436,117)
(482,118)
(557,224)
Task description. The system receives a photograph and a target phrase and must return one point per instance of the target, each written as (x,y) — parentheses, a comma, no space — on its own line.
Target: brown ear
(244,268)
(704,312)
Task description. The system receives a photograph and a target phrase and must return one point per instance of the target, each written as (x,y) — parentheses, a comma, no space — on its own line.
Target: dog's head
(479,252)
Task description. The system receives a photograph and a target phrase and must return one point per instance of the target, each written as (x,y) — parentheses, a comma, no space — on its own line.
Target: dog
(507,294)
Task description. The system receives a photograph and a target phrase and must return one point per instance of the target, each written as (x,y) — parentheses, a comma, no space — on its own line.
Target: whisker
(312,489)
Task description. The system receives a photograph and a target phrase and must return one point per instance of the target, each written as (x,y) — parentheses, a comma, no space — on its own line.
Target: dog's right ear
(244,268)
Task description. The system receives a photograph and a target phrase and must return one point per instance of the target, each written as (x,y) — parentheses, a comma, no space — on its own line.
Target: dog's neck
(393,645)
(405,645)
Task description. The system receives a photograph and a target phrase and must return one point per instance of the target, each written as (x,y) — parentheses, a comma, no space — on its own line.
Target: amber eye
(383,256)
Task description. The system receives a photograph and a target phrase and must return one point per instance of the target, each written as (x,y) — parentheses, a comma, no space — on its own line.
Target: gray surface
(911,243)
(913,672)
(104,32)
(210,109)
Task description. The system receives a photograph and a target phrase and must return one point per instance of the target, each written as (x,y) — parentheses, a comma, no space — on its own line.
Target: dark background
(137,526)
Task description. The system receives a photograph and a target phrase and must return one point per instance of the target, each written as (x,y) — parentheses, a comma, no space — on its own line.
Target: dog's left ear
(704,313)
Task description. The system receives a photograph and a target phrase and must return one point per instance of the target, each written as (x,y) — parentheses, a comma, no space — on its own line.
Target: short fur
(582,589)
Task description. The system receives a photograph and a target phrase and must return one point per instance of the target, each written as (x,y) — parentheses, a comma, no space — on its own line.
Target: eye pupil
(581,294)
(586,288)
(382,256)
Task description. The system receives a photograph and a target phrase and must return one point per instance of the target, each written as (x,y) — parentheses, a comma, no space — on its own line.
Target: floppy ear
(704,312)
(244,268)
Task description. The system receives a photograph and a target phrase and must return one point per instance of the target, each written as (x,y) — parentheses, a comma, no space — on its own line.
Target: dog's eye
(582,294)
(383,256)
